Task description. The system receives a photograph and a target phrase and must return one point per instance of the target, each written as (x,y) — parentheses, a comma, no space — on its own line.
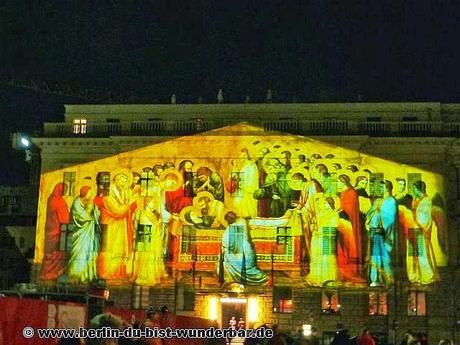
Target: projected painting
(240,206)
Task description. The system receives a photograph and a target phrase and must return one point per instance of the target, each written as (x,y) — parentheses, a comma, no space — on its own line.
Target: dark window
(15,204)
(283,235)
(69,182)
(236,183)
(415,242)
(185,299)
(374,119)
(154,120)
(410,118)
(147,183)
(458,182)
(376,187)
(416,303)
(378,303)
(282,300)
(143,235)
(103,183)
(198,124)
(22,242)
(4,203)
(140,297)
(191,179)
(64,239)
(113,120)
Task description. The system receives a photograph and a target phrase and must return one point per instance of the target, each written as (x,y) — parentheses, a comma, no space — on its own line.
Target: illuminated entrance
(233,312)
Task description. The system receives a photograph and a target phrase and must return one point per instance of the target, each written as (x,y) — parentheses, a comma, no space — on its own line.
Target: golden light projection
(253,309)
(241,203)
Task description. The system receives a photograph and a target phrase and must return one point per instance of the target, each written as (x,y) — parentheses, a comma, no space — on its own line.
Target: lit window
(330,302)
(282,300)
(378,303)
(79,126)
(416,303)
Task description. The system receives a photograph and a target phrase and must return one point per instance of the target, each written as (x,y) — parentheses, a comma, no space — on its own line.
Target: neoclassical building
(304,215)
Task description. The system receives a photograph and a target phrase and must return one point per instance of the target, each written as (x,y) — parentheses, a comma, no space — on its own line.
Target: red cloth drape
(349,202)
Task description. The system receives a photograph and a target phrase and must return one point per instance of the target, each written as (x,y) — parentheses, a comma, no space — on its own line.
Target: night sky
(305,51)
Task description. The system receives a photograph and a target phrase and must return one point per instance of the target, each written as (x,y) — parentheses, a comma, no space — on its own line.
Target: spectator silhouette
(341,336)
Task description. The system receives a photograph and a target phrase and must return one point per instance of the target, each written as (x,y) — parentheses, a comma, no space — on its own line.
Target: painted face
(315,174)
(297,184)
(188,166)
(262,152)
(417,193)
(203,203)
(340,185)
(203,178)
(150,206)
(89,196)
(362,184)
(120,181)
(401,186)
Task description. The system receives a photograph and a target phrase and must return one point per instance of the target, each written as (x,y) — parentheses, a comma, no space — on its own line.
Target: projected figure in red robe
(349,250)
(57,214)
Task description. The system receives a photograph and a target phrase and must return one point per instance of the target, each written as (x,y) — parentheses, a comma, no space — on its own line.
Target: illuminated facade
(300,214)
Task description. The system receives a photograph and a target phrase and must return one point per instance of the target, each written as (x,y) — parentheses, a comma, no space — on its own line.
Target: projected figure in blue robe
(381,222)
(238,255)
(86,237)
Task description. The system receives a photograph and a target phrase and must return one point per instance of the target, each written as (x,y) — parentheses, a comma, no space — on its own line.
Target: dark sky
(302,50)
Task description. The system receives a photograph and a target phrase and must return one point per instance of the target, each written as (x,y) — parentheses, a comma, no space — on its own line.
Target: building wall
(440,155)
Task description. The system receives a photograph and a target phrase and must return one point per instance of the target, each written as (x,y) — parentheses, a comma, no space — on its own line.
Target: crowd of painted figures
(355,224)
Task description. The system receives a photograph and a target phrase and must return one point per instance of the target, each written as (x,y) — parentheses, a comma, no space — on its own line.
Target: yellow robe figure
(114,255)
(148,259)
(323,259)
(418,225)
(244,202)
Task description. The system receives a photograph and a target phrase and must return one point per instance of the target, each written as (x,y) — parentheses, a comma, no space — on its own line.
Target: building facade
(304,215)
(18,209)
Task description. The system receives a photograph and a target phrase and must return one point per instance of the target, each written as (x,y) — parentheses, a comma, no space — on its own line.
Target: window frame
(378,303)
(416,313)
(80,126)
(69,179)
(330,308)
(283,292)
